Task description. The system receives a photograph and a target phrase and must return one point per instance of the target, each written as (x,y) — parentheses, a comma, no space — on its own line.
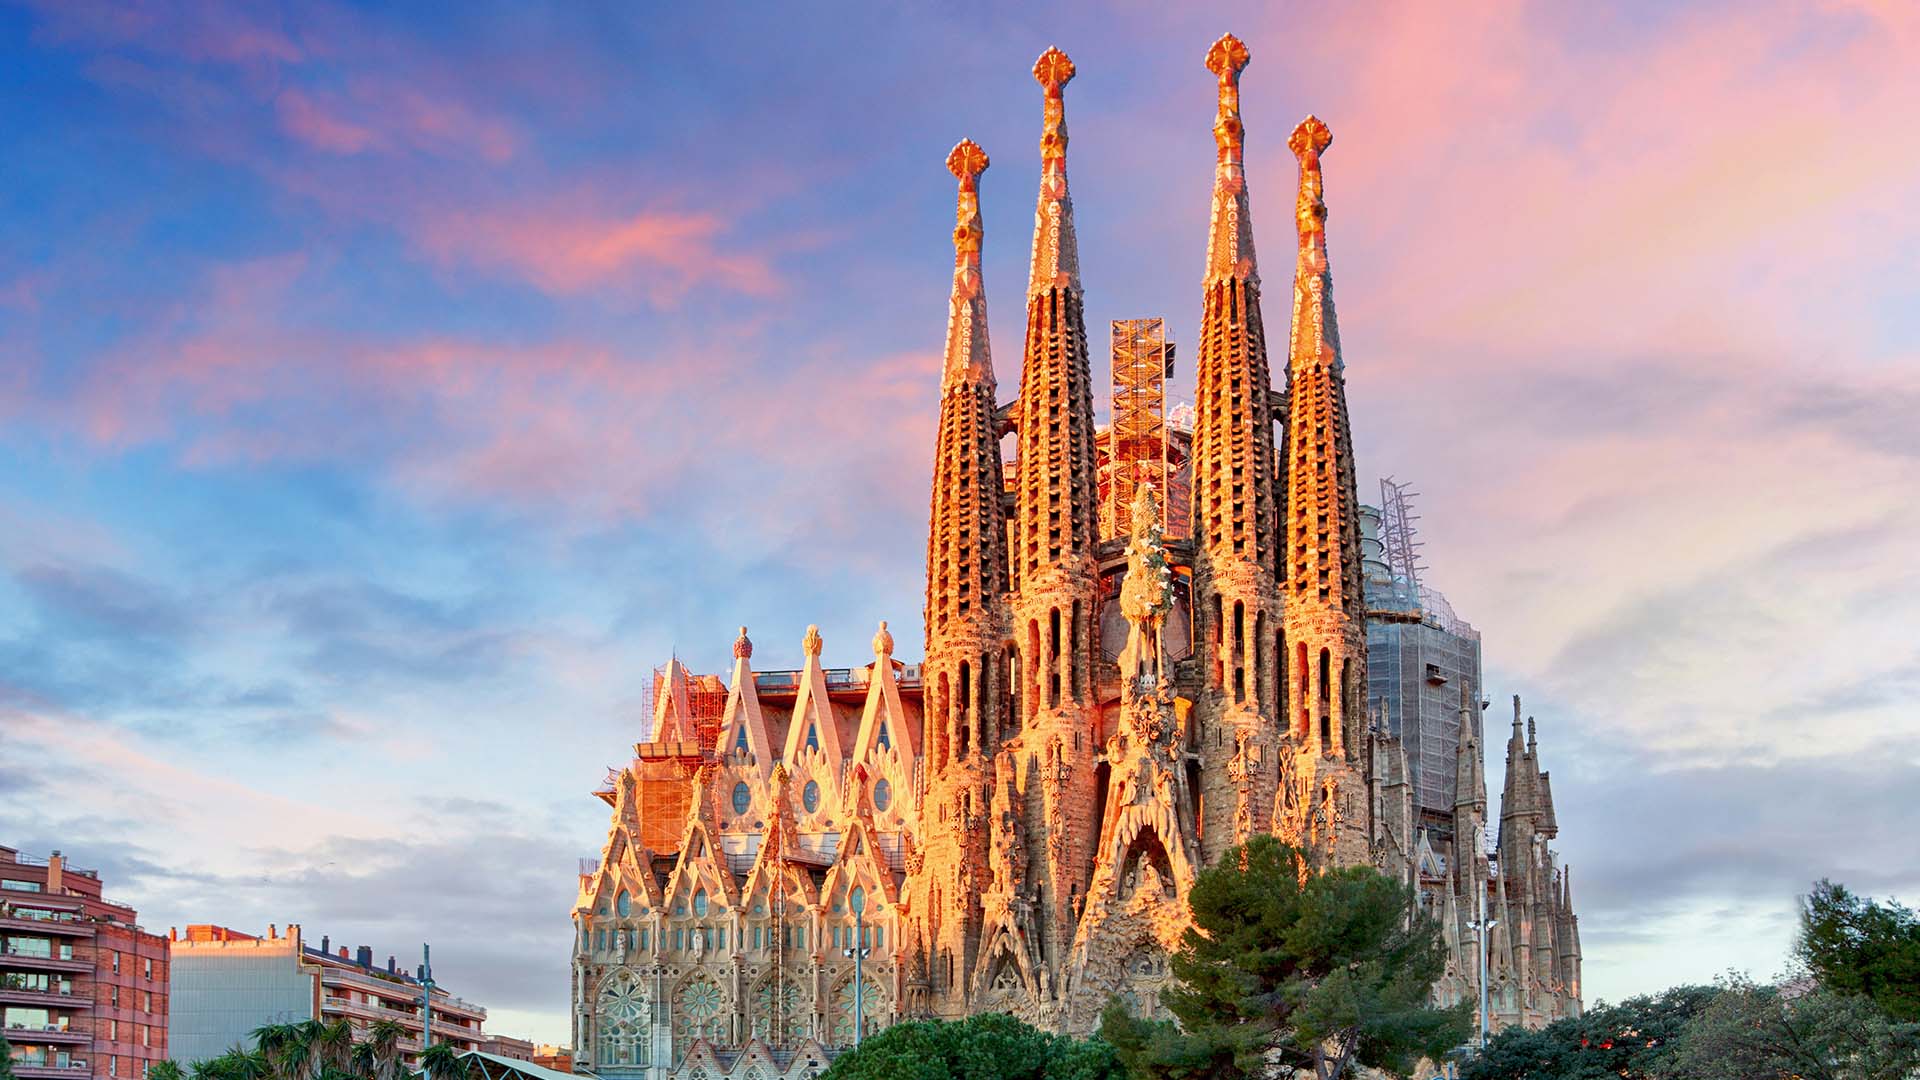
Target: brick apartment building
(83,990)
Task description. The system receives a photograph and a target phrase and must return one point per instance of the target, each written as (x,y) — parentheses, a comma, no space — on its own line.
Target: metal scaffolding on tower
(1137,444)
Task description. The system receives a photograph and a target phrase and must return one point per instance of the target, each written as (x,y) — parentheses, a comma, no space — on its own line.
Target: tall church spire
(1325,613)
(1233,480)
(966,612)
(1056,530)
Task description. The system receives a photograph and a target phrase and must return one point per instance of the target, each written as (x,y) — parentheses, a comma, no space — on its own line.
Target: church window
(813,736)
(857,899)
(623,904)
(700,903)
(600,941)
(810,796)
(679,938)
(756,937)
(740,740)
(742,797)
(879,937)
(885,740)
(882,794)
(643,939)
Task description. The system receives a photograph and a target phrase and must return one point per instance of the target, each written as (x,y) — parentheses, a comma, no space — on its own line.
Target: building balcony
(51,1070)
(21,961)
(52,999)
(61,923)
(23,1035)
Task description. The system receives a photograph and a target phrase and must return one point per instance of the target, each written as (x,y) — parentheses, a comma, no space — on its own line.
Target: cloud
(665,254)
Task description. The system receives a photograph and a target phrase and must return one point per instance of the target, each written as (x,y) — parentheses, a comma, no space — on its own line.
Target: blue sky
(383,394)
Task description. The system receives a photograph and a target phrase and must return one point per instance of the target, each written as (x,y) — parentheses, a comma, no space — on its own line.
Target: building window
(700,903)
(810,796)
(116,965)
(882,794)
(742,798)
(623,904)
(643,939)
(146,967)
(16,885)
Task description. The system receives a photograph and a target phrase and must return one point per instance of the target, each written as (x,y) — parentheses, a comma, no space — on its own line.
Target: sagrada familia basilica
(799,857)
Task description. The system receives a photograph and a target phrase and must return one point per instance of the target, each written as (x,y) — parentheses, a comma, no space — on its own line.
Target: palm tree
(381,1060)
(235,1064)
(443,1061)
(166,1070)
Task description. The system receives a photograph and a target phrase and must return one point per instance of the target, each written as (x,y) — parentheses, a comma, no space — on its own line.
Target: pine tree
(1289,966)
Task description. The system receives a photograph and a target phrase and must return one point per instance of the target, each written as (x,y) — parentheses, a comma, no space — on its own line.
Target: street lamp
(426,1003)
(1483,947)
(857,900)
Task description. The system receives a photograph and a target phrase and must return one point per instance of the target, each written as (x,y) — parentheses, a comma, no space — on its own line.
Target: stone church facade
(796,857)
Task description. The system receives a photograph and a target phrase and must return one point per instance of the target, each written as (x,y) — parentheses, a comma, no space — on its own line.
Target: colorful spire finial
(967,162)
(811,644)
(883,641)
(743,646)
(1308,142)
(1053,71)
(1226,59)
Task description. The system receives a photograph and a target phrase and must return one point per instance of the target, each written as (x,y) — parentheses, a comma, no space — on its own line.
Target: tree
(166,1070)
(1855,945)
(442,1061)
(1287,964)
(1627,1041)
(990,1046)
(6,1058)
(1750,1032)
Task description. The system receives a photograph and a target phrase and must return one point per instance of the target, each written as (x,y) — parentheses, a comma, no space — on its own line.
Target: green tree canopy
(1311,968)
(1855,945)
(1626,1041)
(1750,1032)
(990,1046)
(166,1070)
(6,1058)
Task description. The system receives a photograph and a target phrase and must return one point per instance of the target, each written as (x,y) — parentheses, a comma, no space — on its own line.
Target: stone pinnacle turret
(1237,606)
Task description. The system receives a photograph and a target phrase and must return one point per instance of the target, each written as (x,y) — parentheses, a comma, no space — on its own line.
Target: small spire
(968,356)
(1226,59)
(1532,746)
(1230,230)
(1056,253)
(811,644)
(743,646)
(882,642)
(1308,141)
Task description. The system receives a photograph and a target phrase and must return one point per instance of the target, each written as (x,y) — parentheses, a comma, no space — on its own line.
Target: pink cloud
(313,124)
(665,253)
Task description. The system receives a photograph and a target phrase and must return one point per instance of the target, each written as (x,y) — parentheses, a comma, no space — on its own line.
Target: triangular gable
(772,870)
(884,721)
(701,861)
(672,709)
(859,860)
(744,726)
(815,725)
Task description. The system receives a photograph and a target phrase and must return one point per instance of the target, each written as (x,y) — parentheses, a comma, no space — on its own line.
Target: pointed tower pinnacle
(1321,575)
(966,600)
(1056,253)
(1230,242)
(1235,497)
(967,356)
(1055,534)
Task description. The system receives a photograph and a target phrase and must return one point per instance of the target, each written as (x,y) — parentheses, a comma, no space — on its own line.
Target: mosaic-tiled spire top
(1057,501)
(1323,505)
(1234,461)
(1230,239)
(966,544)
(968,358)
(1316,333)
(1056,254)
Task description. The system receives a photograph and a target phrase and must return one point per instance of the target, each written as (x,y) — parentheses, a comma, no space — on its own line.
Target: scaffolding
(1138,448)
(1401,541)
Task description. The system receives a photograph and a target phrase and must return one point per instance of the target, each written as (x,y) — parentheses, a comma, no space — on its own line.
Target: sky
(383,394)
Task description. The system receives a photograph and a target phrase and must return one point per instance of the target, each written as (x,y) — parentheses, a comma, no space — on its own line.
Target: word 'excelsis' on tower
(1013,824)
